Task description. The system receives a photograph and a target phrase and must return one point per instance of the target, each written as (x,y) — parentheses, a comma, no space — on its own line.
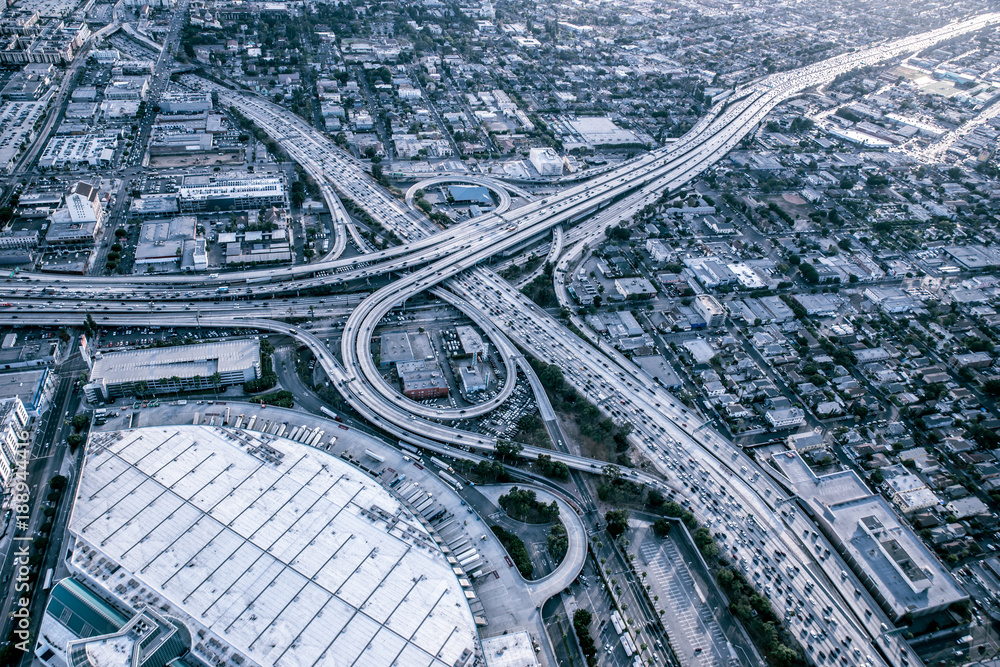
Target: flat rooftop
(183,361)
(511,650)
(905,572)
(285,553)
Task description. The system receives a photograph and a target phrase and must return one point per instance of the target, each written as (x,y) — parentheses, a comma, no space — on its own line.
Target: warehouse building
(266,551)
(890,561)
(168,370)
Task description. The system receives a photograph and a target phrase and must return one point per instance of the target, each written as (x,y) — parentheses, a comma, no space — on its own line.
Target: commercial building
(154,206)
(133,68)
(80,219)
(237,194)
(890,561)
(127,88)
(94,150)
(266,551)
(546,161)
(710,310)
(13,421)
(635,288)
(29,84)
(168,370)
(510,650)
(185,102)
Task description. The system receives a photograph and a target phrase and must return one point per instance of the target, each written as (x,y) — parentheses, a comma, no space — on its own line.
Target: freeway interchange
(725,489)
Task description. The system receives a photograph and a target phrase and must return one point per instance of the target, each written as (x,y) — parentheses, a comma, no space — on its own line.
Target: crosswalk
(691,620)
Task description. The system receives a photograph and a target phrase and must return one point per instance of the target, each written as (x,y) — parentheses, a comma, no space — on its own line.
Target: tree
(612,472)
(80,422)
(617,522)
(508,448)
(784,656)
(216,379)
(661,527)
(58,483)
(551,377)
(809,273)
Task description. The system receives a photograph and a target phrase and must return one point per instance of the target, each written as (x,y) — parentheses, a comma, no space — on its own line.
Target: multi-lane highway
(724,488)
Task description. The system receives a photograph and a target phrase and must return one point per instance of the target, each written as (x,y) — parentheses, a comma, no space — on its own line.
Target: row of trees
(518,552)
(581,625)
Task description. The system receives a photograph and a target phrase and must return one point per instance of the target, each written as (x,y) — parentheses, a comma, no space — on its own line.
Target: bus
(48,580)
(616,620)
(628,645)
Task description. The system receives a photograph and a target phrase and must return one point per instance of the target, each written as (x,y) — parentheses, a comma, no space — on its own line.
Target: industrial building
(403,347)
(472,343)
(236,194)
(169,370)
(422,379)
(161,244)
(635,288)
(266,551)
(471,377)
(891,562)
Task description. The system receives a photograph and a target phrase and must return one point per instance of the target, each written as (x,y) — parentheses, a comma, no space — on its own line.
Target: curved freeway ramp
(502,190)
(542,589)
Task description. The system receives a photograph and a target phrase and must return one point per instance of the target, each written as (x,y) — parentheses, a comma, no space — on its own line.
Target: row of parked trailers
(311,437)
(447,530)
